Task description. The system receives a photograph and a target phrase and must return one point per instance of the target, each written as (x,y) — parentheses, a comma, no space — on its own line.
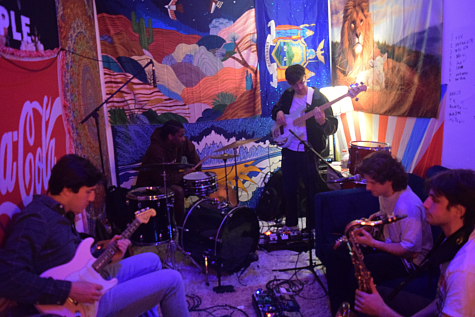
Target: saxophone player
(451,206)
(404,244)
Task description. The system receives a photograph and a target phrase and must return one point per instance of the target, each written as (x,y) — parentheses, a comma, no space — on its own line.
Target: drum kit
(213,231)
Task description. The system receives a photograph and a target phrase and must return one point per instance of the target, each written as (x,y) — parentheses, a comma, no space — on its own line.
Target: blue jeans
(142,286)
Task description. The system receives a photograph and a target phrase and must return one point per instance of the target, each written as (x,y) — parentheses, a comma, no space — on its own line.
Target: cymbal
(236,144)
(169,167)
(224,156)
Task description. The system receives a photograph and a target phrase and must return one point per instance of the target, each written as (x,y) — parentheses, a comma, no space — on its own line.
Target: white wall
(458,72)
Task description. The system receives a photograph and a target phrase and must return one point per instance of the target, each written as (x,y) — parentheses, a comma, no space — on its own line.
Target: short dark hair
(382,167)
(294,73)
(170,127)
(458,186)
(73,172)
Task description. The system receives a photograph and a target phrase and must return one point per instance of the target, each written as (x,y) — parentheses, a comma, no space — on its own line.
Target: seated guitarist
(295,163)
(43,236)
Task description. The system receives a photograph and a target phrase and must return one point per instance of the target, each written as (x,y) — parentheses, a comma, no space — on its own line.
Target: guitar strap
(310,92)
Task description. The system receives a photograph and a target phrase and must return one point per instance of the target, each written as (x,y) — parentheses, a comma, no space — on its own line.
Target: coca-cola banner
(32,131)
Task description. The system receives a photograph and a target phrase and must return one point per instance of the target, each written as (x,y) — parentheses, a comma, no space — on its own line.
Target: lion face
(356,27)
(356,41)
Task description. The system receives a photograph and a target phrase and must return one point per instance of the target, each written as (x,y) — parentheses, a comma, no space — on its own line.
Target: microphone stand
(95,113)
(311,265)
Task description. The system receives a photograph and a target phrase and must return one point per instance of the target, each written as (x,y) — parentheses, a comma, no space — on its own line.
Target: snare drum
(360,149)
(224,233)
(156,230)
(200,183)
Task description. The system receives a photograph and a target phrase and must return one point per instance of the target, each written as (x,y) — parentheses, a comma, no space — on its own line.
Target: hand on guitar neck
(118,244)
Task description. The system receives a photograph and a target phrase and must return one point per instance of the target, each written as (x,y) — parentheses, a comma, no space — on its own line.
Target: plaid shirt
(40,238)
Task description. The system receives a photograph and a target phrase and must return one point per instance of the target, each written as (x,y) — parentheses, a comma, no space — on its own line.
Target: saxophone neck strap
(443,251)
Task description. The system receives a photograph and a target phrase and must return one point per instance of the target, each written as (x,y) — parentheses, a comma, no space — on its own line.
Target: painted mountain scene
(188,60)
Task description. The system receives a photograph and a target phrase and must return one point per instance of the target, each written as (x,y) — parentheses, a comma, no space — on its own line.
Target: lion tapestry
(394,47)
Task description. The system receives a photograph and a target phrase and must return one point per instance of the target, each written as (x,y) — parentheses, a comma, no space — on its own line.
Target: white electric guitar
(296,120)
(84,267)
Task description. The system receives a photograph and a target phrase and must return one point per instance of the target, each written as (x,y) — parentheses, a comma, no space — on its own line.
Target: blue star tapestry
(291,32)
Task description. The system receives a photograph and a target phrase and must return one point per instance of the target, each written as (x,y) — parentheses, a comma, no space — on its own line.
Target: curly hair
(382,167)
(458,186)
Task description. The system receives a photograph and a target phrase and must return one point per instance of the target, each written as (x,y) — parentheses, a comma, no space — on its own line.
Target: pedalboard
(275,304)
(284,240)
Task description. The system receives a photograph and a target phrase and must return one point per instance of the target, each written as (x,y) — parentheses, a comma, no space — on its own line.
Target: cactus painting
(139,28)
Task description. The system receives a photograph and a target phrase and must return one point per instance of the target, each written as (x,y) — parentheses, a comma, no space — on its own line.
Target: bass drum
(223,233)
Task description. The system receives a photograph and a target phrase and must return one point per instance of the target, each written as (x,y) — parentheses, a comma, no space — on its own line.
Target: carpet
(203,301)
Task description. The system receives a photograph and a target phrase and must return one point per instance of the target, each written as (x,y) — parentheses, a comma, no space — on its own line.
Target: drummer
(169,145)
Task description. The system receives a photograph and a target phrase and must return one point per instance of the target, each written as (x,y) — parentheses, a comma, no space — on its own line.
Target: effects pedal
(269,304)
(286,300)
(265,304)
(284,240)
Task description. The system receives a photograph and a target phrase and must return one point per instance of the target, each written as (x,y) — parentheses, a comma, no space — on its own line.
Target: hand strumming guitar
(280,118)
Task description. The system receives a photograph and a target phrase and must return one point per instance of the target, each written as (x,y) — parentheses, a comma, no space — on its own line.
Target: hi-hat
(237,144)
(169,167)
(224,156)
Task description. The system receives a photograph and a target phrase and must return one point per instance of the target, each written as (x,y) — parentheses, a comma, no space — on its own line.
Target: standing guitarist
(43,236)
(295,162)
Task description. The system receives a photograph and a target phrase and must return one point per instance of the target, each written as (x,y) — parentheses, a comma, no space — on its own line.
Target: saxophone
(363,276)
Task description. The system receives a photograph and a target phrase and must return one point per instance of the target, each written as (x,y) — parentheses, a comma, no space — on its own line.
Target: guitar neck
(300,120)
(112,248)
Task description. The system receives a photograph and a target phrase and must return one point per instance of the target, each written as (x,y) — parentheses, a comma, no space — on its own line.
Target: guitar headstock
(144,215)
(355,89)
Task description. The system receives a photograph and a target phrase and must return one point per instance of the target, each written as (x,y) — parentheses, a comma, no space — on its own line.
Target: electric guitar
(296,120)
(84,267)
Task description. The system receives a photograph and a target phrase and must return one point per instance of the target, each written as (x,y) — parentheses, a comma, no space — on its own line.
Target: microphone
(153,74)
(355,178)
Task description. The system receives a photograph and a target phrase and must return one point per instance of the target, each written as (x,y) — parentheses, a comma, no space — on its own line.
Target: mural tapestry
(81,83)
(291,32)
(395,48)
(187,60)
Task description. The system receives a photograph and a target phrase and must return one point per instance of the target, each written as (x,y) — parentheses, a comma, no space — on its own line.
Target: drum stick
(201,162)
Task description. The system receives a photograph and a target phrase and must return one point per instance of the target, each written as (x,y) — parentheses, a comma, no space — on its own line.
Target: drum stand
(172,246)
(236,177)
(226,180)
(225,157)
(220,288)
